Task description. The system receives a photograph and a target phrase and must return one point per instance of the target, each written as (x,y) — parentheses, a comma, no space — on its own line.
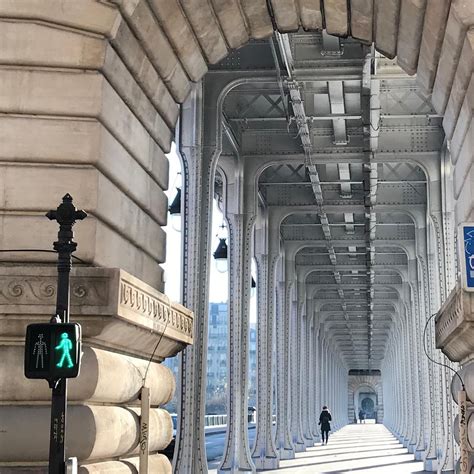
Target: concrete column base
(419,454)
(262,463)
(286,453)
(431,464)
(300,447)
(411,448)
(235,469)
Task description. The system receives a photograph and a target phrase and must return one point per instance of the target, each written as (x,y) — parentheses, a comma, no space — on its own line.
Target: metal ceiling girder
(292,247)
(336,99)
(371,192)
(346,185)
(230,135)
(304,135)
(370,203)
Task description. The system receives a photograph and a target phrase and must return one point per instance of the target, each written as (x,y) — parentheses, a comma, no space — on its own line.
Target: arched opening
(365,400)
(101,111)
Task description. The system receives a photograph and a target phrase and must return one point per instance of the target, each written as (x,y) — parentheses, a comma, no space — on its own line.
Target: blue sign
(468,257)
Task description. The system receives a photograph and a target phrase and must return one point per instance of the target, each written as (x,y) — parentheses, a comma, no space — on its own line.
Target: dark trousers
(325,436)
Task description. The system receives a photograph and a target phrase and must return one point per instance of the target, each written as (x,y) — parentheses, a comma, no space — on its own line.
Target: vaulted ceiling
(351,131)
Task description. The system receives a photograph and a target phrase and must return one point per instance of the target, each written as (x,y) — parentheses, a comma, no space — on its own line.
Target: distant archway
(365,385)
(365,402)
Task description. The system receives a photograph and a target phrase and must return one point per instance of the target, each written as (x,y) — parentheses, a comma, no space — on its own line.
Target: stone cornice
(116,310)
(455,325)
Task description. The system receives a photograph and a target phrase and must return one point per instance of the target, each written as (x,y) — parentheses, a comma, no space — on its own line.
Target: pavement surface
(215,442)
(361,449)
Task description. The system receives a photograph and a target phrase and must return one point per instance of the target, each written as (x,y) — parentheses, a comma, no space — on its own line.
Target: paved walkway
(366,448)
(360,449)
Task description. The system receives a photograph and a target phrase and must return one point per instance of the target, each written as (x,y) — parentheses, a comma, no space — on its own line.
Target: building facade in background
(216,385)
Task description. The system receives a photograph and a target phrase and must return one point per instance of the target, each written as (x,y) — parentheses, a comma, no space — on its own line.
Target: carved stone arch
(210,37)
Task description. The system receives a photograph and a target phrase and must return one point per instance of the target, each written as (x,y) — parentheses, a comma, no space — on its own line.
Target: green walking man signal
(65,346)
(52,351)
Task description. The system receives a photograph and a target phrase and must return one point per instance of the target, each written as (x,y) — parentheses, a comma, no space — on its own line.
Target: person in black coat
(324,419)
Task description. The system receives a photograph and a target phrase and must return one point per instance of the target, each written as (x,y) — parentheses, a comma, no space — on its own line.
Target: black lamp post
(66,216)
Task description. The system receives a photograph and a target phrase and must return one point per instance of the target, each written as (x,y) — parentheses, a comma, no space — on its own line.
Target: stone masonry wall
(121,319)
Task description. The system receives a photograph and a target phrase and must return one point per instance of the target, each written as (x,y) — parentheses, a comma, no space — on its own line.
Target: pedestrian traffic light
(52,351)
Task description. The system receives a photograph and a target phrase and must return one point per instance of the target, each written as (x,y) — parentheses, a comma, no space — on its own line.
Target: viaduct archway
(98,85)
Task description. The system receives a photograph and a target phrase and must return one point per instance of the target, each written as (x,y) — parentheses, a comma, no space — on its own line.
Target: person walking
(324,419)
(361,416)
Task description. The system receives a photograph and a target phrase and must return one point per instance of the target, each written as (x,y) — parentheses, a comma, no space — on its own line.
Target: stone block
(25,44)
(174,23)
(157,464)
(232,22)
(464,206)
(97,244)
(160,52)
(387,14)
(89,15)
(134,56)
(286,15)
(463,123)
(336,16)
(92,432)
(124,123)
(461,16)
(30,188)
(35,44)
(436,15)
(206,28)
(410,29)
(310,15)
(258,19)
(464,161)
(82,95)
(132,94)
(117,311)
(462,78)
(105,377)
(362,16)
(72,142)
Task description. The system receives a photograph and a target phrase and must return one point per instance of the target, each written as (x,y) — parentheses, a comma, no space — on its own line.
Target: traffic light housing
(52,351)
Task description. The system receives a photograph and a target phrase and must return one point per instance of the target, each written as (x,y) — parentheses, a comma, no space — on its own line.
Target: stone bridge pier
(338,139)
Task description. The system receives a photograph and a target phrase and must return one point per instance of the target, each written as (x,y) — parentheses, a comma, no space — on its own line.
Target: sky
(219,289)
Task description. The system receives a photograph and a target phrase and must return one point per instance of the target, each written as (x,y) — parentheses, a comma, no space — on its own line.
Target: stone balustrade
(455,325)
